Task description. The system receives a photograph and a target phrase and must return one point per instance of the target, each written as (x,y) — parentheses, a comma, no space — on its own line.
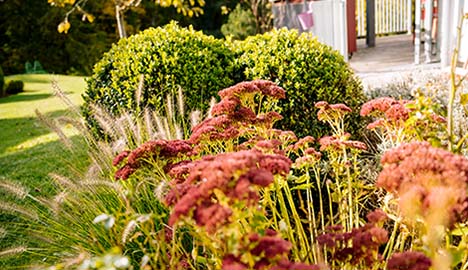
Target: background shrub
(168,58)
(14,87)
(308,70)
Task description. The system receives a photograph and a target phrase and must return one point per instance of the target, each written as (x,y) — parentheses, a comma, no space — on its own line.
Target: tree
(247,13)
(241,23)
(188,8)
(261,10)
(27,34)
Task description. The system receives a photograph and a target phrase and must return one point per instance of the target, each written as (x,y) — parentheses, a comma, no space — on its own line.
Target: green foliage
(309,71)
(14,87)
(240,24)
(166,58)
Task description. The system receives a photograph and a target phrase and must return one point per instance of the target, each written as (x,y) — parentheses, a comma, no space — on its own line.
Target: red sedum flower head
(377,105)
(149,150)
(238,175)
(331,112)
(264,87)
(409,260)
(340,142)
(427,179)
(358,247)
(270,252)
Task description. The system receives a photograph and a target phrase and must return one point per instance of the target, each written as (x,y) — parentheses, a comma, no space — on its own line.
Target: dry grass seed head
(129,229)
(64,182)
(212,104)
(132,129)
(16,209)
(93,183)
(195,118)
(160,190)
(147,115)
(56,203)
(14,189)
(161,130)
(13,251)
(180,102)
(105,120)
(169,107)
(55,128)
(63,96)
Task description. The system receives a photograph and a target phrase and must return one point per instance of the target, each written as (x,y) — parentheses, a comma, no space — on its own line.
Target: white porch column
(417,32)
(409,16)
(429,6)
(446,8)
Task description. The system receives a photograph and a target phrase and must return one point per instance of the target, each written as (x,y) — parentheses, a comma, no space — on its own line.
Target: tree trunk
(120,21)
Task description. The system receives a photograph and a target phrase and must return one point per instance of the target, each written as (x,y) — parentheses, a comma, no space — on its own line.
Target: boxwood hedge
(167,58)
(172,56)
(308,70)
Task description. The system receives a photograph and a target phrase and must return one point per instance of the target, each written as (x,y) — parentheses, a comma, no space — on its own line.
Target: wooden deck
(391,57)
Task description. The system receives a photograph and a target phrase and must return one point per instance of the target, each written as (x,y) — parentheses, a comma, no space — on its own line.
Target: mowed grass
(29,151)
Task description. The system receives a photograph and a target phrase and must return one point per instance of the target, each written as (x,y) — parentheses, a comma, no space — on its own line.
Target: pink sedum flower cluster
(427,180)
(340,142)
(409,260)
(361,245)
(394,111)
(271,252)
(264,87)
(234,114)
(330,112)
(235,174)
(150,150)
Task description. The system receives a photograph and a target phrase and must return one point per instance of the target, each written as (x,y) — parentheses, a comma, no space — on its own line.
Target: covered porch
(390,53)
(390,59)
(432,24)
(425,31)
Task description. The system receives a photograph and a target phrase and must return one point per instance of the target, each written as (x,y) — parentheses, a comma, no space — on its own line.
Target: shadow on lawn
(30,167)
(27,96)
(23,97)
(16,131)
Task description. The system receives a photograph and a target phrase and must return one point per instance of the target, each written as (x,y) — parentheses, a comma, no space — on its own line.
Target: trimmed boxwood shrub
(308,70)
(14,87)
(167,57)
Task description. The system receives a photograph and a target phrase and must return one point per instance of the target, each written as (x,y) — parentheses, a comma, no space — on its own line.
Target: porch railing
(391,17)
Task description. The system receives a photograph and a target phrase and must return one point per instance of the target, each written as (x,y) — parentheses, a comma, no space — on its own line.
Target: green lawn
(29,151)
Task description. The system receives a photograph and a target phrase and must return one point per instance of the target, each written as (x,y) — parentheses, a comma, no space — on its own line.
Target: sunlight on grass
(49,137)
(38,94)
(29,151)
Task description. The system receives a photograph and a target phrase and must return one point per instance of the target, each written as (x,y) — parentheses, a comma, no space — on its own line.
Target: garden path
(391,59)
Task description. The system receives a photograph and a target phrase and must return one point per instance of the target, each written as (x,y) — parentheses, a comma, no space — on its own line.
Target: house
(339,22)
